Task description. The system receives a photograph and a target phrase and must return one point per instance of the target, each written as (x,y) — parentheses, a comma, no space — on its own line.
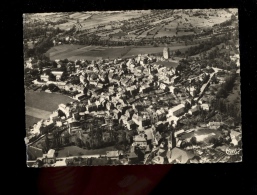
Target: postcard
(132,87)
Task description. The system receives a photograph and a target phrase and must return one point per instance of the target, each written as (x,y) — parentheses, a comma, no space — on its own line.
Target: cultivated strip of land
(37,113)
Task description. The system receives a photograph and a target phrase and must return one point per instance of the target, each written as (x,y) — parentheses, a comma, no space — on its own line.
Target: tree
(85,90)
(34,72)
(178,53)
(52,87)
(78,142)
(52,77)
(75,80)
(54,64)
(47,144)
(44,88)
(193,140)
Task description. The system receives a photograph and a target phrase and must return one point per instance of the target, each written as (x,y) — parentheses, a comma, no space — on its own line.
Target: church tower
(166,53)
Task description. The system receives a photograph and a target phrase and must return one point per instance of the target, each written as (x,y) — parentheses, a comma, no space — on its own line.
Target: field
(142,35)
(167,33)
(169,64)
(37,113)
(104,53)
(30,120)
(66,51)
(45,101)
(164,20)
(202,22)
(151,50)
(74,151)
(73,52)
(99,18)
(39,105)
(235,96)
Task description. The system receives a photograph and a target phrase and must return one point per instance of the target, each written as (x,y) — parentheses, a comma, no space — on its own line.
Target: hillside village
(147,109)
(139,104)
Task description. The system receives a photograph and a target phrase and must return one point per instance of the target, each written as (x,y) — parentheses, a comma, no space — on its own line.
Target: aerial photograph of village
(132,87)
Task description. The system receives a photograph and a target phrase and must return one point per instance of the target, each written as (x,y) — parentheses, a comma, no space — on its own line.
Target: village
(151,110)
(169,94)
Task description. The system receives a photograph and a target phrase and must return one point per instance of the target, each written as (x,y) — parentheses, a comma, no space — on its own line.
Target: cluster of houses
(139,93)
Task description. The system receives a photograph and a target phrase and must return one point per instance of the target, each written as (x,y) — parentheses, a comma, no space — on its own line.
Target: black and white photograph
(132,87)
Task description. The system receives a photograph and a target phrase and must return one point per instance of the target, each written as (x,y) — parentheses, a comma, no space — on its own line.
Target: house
(34,152)
(163,86)
(139,106)
(176,110)
(158,160)
(113,154)
(109,105)
(161,114)
(194,110)
(178,133)
(131,125)
(178,155)
(142,120)
(205,107)
(140,141)
(80,97)
(229,122)
(174,79)
(60,163)
(57,74)
(58,123)
(65,109)
(132,90)
(173,120)
(54,116)
(146,120)
(129,112)
(82,79)
(144,88)
(123,119)
(44,77)
(116,114)
(100,85)
(214,125)
(132,155)
(149,134)
(152,112)
(74,127)
(172,89)
(235,137)
(116,79)
(122,108)
(92,107)
(49,158)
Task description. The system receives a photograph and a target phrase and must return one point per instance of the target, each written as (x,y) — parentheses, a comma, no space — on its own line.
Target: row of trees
(215,40)
(39,31)
(229,109)
(227,86)
(39,48)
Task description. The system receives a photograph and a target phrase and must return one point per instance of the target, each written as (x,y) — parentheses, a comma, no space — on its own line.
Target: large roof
(182,155)
(112,153)
(50,153)
(176,107)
